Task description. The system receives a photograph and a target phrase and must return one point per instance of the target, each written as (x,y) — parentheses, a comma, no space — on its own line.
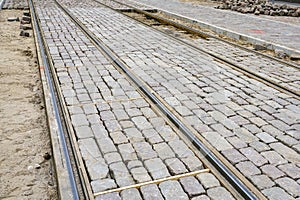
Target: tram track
(164,109)
(224,171)
(274,82)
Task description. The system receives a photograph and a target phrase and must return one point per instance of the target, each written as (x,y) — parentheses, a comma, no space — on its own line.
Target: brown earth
(24,137)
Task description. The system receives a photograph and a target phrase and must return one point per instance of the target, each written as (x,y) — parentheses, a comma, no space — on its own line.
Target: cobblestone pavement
(254,126)
(286,76)
(15,4)
(122,139)
(275,32)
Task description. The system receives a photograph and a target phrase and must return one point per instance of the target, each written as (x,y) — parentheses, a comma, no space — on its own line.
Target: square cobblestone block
(247,168)
(262,181)
(118,138)
(217,141)
(134,135)
(109,196)
(106,145)
(164,151)
(89,149)
(112,157)
(152,136)
(79,120)
(254,156)
(97,168)
(103,184)
(208,180)
(169,188)
(83,132)
(99,131)
(193,163)
(276,193)
(156,168)
(291,169)
(175,166)
(132,194)
(144,150)
(180,148)
(192,186)
(272,171)
(140,174)
(217,192)
(150,192)
(127,152)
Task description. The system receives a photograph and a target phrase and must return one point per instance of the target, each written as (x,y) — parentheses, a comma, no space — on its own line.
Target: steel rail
(237,67)
(238,185)
(58,116)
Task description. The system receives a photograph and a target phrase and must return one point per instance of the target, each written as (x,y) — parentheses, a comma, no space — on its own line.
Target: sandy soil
(24,138)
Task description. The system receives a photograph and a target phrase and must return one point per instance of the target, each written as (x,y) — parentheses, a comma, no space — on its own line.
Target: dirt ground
(24,138)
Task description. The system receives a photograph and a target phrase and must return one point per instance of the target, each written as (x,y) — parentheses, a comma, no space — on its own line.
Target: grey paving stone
(109,196)
(245,135)
(286,152)
(163,150)
(222,130)
(287,140)
(170,188)
(234,156)
(89,109)
(272,171)
(142,123)
(201,197)
(294,133)
(83,132)
(252,128)
(172,101)
(273,157)
(265,137)
(134,163)
(280,125)
(99,131)
(133,112)
(103,106)
(217,141)
(291,169)
(183,110)
(236,142)
(103,184)
(112,157)
(259,146)
(248,168)
(112,125)
(271,130)
(140,174)
(127,152)
(121,114)
(106,145)
(144,150)
(208,180)
(121,174)
(79,120)
(89,149)
(291,186)
(126,124)
(93,119)
(193,163)
(254,156)
(75,110)
(180,148)
(192,186)
(175,166)
(239,120)
(134,135)
(276,193)
(217,192)
(132,193)
(148,112)
(157,122)
(152,136)
(118,137)
(156,168)
(97,168)
(258,121)
(107,115)
(150,192)
(262,181)
(167,133)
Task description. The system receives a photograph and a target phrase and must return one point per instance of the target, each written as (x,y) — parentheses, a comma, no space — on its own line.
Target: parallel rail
(205,35)
(234,181)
